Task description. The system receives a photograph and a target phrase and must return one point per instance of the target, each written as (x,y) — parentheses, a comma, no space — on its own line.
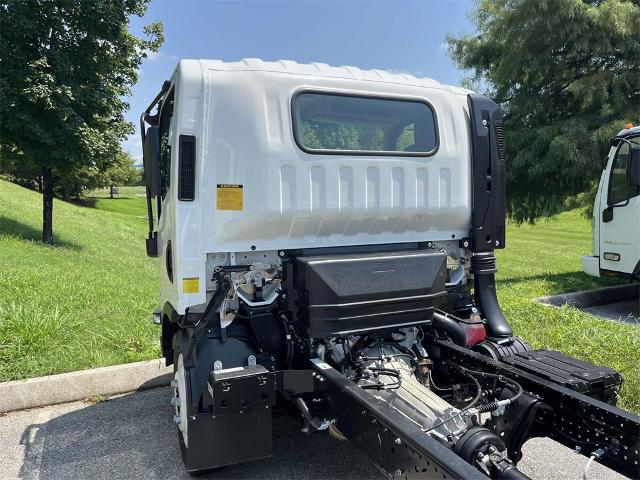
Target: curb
(597,296)
(73,386)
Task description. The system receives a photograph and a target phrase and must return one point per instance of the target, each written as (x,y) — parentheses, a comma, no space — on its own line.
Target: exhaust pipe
(483,267)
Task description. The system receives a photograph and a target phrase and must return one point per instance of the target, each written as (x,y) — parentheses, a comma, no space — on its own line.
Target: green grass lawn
(544,259)
(86,302)
(130,201)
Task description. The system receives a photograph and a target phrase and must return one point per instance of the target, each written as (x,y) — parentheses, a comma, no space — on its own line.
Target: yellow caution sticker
(191,285)
(229,197)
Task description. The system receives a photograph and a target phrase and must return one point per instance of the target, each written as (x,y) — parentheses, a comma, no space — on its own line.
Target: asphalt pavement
(626,311)
(132,437)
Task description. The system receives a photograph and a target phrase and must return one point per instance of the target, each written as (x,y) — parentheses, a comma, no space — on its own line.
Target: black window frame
(625,201)
(170,96)
(363,153)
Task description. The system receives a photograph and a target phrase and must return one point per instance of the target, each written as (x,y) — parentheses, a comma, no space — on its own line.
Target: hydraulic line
(289,345)
(500,378)
(469,406)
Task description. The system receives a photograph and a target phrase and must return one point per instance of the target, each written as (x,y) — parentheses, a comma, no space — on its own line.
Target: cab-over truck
(325,239)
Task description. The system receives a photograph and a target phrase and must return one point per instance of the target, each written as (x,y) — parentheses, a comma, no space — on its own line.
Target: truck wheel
(181,385)
(180,402)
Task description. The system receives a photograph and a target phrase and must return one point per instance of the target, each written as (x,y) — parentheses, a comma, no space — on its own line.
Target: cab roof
(291,67)
(628,132)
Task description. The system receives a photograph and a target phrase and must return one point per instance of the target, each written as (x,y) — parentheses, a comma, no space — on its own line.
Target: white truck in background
(616,212)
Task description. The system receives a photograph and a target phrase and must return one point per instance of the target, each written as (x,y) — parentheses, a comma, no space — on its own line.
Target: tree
(66,66)
(121,173)
(567,75)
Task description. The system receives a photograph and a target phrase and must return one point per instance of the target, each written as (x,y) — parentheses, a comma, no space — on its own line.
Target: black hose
(484,284)
(289,346)
(469,406)
(447,323)
(499,377)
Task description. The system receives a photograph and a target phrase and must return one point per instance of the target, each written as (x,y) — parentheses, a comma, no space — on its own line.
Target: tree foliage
(567,75)
(66,68)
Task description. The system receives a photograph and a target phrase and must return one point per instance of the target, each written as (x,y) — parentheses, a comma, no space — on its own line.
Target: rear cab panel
(258,192)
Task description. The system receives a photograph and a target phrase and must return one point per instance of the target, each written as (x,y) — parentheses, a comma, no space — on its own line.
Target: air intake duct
(483,267)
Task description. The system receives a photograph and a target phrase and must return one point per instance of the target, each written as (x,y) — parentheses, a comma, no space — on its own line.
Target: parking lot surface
(132,437)
(627,311)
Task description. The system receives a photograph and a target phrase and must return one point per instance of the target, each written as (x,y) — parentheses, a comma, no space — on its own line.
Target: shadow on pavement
(133,436)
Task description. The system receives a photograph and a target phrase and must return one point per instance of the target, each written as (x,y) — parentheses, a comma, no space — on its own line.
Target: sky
(394,35)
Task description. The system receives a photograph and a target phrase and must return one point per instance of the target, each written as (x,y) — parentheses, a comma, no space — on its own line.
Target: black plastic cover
(597,382)
(489,197)
(343,294)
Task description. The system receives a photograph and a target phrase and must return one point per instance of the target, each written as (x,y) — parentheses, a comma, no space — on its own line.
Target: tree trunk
(47,206)
(111,191)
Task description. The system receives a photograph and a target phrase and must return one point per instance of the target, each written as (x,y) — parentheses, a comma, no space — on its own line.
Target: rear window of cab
(330,123)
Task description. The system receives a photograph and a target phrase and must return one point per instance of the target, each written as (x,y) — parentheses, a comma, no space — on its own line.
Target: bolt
(177,419)
(251,360)
(281,253)
(217,365)
(284,296)
(398,472)
(497,243)
(484,123)
(397,441)
(192,418)
(465,244)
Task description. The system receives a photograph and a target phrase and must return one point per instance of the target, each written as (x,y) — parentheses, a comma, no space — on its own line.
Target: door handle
(607,215)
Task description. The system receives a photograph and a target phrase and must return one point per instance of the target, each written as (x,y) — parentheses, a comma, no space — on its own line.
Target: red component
(474,330)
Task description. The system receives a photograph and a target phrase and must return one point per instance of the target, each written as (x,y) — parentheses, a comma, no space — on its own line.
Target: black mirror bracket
(152,120)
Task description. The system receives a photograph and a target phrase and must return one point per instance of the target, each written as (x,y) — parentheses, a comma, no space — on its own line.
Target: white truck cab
(616,212)
(325,238)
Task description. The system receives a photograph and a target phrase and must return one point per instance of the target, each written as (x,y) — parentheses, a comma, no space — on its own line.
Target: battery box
(601,383)
(344,294)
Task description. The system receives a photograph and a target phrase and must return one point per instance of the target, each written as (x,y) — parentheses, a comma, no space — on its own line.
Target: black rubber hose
(450,326)
(484,269)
